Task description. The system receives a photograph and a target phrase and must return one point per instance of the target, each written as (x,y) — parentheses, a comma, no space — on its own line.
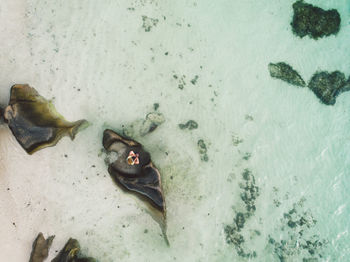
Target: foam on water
(97,61)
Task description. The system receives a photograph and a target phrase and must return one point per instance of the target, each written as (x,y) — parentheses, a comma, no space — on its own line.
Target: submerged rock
(71,253)
(134,172)
(190,124)
(142,127)
(40,249)
(35,122)
(152,121)
(327,86)
(286,73)
(313,21)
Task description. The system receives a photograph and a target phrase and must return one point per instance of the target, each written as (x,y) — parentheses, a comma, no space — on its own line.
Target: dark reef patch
(327,86)
(233,232)
(314,21)
(149,23)
(202,148)
(286,73)
(190,124)
(297,240)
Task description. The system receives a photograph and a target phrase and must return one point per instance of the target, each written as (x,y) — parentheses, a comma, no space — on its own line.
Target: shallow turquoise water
(97,61)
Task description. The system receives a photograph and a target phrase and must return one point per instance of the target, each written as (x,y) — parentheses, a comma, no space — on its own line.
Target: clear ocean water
(110,61)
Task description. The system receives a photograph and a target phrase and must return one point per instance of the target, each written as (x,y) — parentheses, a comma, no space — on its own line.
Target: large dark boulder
(327,86)
(314,21)
(286,73)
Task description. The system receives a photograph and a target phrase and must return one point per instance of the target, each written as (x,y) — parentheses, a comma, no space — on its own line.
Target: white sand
(96,61)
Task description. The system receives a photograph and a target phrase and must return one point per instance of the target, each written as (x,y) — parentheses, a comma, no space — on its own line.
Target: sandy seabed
(110,61)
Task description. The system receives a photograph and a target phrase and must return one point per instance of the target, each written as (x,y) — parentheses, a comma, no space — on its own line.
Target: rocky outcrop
(314,21)
(327,86)
(286,73)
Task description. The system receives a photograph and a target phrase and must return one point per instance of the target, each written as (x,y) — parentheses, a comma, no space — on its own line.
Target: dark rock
(313,21)
(286,73)
(40,249)
(327,86)
(35,122)
(71,253)
(134,172)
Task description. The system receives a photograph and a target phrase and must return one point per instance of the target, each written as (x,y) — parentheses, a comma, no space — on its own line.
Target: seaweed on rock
(34,121)
(314,21)
(134,172)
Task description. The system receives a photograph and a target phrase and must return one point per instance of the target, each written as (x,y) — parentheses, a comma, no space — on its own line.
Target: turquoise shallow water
(99,60)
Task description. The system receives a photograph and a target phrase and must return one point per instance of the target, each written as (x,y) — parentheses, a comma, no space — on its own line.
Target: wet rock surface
(327,86)
(71,253)
(314,21)
(34,121)
(40,249)
(134,172)
(286,73)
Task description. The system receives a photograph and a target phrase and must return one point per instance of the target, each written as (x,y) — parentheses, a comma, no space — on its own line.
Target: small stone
(286,73)
(313,21)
